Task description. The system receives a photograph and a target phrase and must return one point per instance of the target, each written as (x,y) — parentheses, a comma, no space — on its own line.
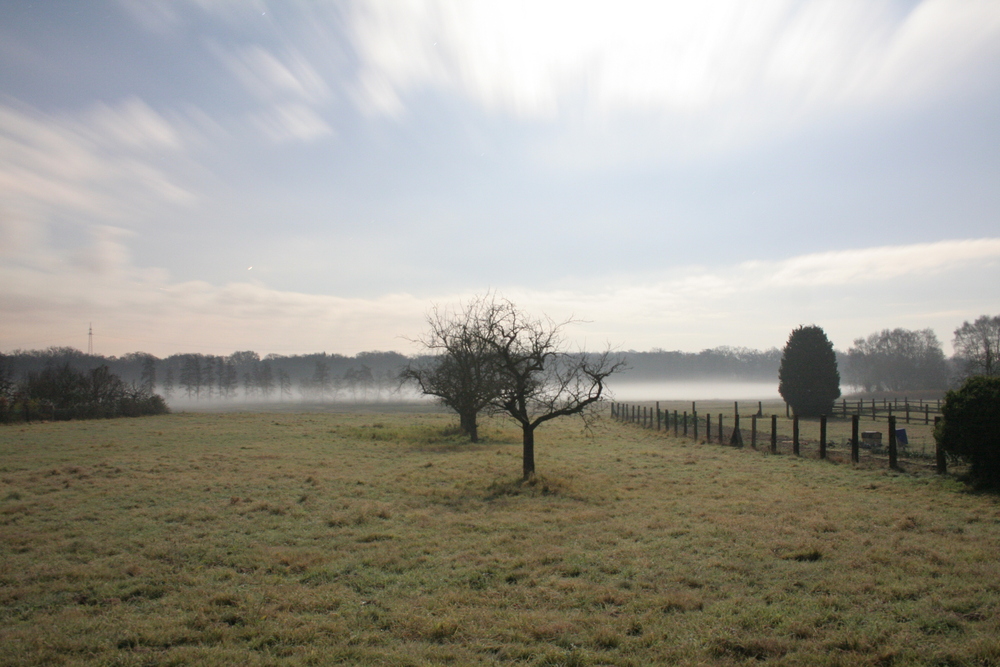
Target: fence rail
(920,411)
(784,435)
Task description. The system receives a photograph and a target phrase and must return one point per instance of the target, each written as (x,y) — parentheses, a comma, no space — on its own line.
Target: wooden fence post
(855,454)
(685,423)
(874,414)
(907,404)
(753,431)
(675,423)
(942,462)
(795,435)
(722,440)
(737,438)
(774,434)
(694,421)
(893,454)
(927,415)
(708,427)
(657,415)
(822,436)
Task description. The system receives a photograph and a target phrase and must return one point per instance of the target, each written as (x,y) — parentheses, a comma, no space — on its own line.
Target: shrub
(65,393)
(970,428)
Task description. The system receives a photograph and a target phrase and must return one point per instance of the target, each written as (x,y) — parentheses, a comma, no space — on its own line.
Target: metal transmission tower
(90,340)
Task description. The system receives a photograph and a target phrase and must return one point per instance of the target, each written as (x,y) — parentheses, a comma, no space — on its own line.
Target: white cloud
(292,122)
(89,164)
(726,71)
(107,253)
(868,265)
(273,77)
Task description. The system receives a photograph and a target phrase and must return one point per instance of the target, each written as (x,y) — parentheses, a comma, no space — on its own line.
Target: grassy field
(274,539)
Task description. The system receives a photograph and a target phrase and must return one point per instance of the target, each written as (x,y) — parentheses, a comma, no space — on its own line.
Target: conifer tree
(808,378)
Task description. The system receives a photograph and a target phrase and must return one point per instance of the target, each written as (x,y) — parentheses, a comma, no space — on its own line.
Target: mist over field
(692,390)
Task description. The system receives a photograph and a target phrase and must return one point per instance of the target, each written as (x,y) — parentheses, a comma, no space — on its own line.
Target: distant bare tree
(322,383)
(168,381)
(148,378)
(190,378)
(284,384)
(208,375)
(978,345)
(265,379)
(461,373)
(897,360)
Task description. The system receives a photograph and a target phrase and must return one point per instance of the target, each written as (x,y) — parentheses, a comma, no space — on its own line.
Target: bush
(970,428)
(62,393)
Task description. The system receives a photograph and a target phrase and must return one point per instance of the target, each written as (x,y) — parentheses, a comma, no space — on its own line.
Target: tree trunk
(467,422)
(528,457)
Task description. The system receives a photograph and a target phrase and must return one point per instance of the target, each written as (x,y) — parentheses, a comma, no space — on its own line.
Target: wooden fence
(759,430)
(919,411)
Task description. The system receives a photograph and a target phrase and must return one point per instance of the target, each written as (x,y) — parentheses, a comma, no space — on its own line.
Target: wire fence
(848,437)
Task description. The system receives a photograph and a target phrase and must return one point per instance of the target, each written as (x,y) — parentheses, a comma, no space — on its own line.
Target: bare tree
(537,379)
(978,344)
(897,360)
(321,379)
(461,373)
(265,378)
(284,384)
(148,378)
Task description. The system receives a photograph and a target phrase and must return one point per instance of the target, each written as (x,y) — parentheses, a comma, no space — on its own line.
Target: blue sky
(213,175)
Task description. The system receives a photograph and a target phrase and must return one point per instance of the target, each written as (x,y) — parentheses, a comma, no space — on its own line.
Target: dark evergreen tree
(808,378)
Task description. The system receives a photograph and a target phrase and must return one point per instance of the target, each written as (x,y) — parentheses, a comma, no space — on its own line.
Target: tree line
(887,360)
(63,392)
(242,375)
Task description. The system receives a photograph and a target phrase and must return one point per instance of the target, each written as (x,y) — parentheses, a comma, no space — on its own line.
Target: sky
(308,175)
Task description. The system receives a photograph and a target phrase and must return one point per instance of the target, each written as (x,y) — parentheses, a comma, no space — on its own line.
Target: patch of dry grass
(270,539)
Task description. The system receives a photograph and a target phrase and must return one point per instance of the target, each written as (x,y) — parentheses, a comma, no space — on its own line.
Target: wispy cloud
(870,265)
(725,70)
(99,167)
(292,122)
(271,76)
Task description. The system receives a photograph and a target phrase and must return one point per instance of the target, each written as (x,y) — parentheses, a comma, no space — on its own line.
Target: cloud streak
(724,69)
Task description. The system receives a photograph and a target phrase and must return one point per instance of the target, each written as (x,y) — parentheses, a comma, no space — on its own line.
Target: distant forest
(365,376)
(374,376)
(721,363)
